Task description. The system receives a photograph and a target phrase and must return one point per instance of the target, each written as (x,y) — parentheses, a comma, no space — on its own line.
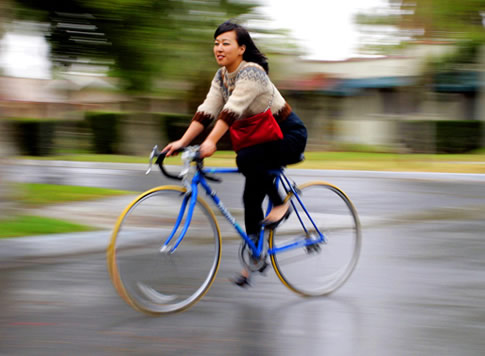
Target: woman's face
(227,51)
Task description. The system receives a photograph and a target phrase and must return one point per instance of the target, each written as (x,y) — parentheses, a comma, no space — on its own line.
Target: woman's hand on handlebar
(194,129)
(173,148)
(207,148)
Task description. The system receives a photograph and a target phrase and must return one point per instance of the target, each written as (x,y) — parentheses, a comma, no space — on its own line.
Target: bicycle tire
(158,282)
(322,268)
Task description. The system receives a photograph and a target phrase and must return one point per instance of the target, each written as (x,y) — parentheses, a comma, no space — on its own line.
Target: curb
(45,246)
(24,248)
(141,167)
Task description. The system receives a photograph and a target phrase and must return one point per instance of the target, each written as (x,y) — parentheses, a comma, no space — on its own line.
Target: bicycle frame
(190,200)
(163,282)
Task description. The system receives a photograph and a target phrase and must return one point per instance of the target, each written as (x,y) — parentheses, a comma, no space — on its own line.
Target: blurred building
(361,101)
(366,100)
(53,98)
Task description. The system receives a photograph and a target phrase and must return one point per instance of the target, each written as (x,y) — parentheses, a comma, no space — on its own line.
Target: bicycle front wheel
(317,269)
(155,281)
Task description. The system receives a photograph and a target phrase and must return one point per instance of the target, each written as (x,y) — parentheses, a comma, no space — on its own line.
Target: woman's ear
(242,49)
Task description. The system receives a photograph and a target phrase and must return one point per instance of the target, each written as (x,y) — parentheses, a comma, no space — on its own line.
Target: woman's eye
(223,43)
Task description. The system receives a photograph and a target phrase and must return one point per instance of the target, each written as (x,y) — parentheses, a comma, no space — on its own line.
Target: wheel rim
(314,273)
(157,282)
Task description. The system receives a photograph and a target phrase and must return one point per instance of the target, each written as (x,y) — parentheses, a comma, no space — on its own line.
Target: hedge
(458,136)
(105,130)
(174,126)
(34,137)
(442,136)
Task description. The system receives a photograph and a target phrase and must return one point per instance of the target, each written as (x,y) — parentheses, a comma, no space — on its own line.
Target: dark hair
(252,53)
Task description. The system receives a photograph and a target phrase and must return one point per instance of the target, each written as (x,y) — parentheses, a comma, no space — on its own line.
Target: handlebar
(189,154)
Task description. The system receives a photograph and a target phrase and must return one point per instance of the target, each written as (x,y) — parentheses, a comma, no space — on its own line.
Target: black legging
(255,161)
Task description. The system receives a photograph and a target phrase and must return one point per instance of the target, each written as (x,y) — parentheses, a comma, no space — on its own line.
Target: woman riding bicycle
(241,89)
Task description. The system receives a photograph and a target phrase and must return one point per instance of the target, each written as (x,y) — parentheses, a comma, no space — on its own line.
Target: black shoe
(271,225)
(241,281)
(262,269)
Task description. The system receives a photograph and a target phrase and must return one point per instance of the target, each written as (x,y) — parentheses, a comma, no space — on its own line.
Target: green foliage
(457,20)
(443,136)
(141,40)
(34,137)
(464,56)
(172,125)
(105,130)
(373,19)
(458,136)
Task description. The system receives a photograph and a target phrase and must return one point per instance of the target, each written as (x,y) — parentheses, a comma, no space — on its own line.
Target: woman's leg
(254,163)
(253,196)
(287,151)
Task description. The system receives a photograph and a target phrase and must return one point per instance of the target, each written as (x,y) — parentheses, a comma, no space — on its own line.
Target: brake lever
(190,154)
(155,153)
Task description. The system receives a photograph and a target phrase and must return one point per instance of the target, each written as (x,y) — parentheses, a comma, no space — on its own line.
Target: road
(418,288)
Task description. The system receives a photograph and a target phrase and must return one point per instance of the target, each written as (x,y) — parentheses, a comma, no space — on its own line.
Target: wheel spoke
(158,282)
(320,268)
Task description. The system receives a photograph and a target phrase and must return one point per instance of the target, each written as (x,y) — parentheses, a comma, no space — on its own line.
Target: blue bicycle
(165,249)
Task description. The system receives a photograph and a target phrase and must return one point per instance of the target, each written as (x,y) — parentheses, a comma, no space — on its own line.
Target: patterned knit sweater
(243,93)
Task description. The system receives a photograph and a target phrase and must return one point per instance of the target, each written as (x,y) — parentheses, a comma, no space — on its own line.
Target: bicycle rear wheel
(158,282)
(321,268)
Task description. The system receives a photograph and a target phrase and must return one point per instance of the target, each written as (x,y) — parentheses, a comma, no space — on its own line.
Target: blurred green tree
(143,42)
(454,19)
(460,21)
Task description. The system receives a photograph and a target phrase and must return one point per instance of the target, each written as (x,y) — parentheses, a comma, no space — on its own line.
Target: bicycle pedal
(314,248)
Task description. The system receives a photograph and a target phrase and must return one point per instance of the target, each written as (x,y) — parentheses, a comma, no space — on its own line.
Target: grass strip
(27,225)
(369,161)
(35,195)
(38,194)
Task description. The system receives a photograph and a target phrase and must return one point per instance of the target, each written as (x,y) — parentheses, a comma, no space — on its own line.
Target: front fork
(187,208)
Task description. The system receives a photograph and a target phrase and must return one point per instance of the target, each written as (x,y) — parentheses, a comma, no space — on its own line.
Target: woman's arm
(213,103)
(194,129)
(208,147)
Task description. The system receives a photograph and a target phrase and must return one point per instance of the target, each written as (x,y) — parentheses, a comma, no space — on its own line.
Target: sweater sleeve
(251,83)
(213,103)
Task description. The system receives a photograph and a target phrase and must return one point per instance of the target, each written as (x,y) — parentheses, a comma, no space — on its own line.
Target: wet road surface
(417,290)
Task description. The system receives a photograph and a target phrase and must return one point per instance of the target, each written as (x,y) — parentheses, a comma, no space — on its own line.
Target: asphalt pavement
(417,289)
(103,213)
